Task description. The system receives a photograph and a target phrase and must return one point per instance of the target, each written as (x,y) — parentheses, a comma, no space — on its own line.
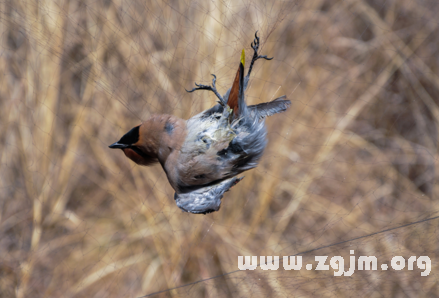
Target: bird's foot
(255,46)
(212,88)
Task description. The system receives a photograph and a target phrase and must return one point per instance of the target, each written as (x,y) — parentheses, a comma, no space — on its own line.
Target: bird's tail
(237,103)
(236,98)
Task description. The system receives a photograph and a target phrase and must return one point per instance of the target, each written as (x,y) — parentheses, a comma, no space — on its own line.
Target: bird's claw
(255,46)
(210,88)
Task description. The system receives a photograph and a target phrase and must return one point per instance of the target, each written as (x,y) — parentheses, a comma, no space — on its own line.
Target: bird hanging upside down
(203,155)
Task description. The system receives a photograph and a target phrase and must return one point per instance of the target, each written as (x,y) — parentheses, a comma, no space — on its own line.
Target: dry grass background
(355,154)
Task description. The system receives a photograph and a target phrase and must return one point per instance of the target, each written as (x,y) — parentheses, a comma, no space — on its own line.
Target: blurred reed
(355,154)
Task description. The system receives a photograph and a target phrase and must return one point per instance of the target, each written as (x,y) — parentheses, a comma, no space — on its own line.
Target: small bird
(203,155)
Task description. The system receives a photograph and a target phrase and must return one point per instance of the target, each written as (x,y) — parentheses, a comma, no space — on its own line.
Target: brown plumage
(202,155)
(234,91)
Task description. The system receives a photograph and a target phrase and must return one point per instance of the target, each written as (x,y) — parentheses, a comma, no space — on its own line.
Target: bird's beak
(118,146)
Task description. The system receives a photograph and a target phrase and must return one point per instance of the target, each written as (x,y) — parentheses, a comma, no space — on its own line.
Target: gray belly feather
(217,148)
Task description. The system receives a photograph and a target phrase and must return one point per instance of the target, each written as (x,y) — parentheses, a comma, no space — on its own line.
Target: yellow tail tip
(243,57)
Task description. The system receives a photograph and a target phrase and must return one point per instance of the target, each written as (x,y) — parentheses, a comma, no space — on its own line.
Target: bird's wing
(206,199)
(278,105)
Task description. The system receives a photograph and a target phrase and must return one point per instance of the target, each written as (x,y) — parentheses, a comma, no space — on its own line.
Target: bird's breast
(201,159)
(215,148)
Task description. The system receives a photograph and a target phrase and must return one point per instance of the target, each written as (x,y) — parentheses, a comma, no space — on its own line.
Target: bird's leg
(255,47)
(211,88)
